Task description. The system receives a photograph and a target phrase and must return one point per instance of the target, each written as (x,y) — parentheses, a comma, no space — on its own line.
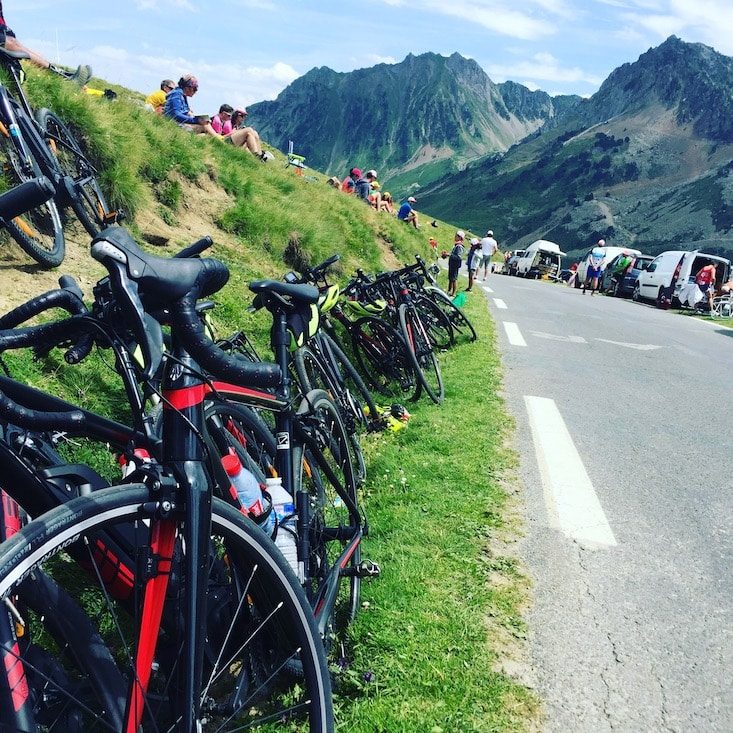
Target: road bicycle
(421,323)
(34,144)
(217,623)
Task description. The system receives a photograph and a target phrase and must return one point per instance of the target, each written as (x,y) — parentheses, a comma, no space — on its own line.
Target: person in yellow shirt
(155,101)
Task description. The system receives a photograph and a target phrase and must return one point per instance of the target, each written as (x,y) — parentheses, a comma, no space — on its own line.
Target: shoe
(468,290)
(81,76)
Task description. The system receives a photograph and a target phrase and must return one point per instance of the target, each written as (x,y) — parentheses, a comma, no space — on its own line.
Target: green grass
(422,654)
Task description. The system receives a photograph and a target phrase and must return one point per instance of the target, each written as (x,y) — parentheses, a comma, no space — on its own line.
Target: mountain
(646,161)
(412,121)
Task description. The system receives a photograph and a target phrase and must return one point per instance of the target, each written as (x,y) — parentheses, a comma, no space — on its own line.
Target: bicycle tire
(383,357)
(255,608)
(436,322)
(38,232)
(420,349)
(457,318)
(323,469)
(85,195)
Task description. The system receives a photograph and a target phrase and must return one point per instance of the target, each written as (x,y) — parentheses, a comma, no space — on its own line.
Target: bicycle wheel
(383,358)
(38,232)
(335,526)
(435,321)
(457,318)
(421,351)
(257,621)
(85,195)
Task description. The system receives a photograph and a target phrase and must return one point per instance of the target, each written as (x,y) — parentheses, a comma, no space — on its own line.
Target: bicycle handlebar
(195,249)
(25,197)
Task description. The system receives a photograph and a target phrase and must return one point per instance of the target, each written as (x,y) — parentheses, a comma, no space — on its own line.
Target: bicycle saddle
(160,280)
(16,55)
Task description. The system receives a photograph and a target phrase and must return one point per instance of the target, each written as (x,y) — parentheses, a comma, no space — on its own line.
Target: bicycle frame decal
(180,399)
(16,679)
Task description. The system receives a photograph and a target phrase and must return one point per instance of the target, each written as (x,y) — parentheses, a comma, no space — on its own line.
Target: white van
(608,254)
(540,258)
(679,264)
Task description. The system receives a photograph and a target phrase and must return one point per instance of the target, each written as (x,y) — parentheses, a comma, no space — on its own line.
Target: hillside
(413,121)
(644,162)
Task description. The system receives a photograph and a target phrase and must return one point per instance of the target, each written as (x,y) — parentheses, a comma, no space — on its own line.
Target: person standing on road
(472,262)
(489,247)
(595,267)
(454,262)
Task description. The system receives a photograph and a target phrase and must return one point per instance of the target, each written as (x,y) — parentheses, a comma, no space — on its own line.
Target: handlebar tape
(223,365)
(29,419)
(65,299)
(194,249)
(25,197)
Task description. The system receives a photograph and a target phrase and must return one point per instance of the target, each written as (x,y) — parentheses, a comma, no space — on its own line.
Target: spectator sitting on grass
(222,121)
(361,184)
(386,204)
(407,213)
(156,101)
(176,107)
(242,136)
(375,195)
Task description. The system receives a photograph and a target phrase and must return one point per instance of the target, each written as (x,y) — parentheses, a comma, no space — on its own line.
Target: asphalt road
(625,431)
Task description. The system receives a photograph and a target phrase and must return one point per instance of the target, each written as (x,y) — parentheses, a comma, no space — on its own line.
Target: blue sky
(249,50)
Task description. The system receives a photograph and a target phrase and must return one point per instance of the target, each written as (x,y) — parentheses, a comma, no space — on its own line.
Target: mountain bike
(34,144)
(199,617)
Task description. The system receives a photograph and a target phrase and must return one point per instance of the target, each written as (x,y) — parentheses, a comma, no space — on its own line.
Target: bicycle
(229,607)
(40,143)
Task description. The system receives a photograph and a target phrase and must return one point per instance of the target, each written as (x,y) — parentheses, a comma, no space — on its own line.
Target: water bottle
(244,486)
(284,510)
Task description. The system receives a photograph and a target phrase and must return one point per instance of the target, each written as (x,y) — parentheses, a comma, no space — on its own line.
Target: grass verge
(427,643)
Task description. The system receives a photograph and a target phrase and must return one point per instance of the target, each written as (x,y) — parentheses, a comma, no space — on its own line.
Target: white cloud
(542,66)
(374,59)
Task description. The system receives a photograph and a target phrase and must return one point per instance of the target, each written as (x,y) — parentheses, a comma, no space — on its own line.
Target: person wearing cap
(177,108)
(155,101)
(407,213)
(375,195)
(386,203)
(455,258)
(489,247)
(333,181)
(473,261)
(362,188)
(595,267)
(238,118)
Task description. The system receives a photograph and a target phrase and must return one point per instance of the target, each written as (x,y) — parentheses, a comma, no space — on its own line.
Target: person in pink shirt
(222,122)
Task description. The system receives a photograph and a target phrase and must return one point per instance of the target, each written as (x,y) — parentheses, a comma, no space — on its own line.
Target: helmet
(328,298)
(366,308)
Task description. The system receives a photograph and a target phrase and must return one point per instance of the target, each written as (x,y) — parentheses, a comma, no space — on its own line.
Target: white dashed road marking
(487,288)
(569,494)
(500,303)
(555,337)
(514,334)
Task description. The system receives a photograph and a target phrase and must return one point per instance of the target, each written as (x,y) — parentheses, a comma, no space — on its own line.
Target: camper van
(540,258)
(679,266)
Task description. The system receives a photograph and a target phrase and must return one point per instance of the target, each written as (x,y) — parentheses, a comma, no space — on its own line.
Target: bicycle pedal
(367,569)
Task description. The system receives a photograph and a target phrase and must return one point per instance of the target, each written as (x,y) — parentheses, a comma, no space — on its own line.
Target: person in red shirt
(705,280)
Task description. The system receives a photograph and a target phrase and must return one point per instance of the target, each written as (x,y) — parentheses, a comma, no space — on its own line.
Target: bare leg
(12,44)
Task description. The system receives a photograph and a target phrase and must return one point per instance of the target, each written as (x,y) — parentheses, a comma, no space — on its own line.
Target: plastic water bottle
(284,510)
(244,485)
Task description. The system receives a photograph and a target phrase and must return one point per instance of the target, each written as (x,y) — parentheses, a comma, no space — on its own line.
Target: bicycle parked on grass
(35,144)
(242,629)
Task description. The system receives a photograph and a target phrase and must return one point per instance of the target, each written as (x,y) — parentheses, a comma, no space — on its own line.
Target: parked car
(510,265)
(540,258)
(678,267)
(624,286)
(608,253)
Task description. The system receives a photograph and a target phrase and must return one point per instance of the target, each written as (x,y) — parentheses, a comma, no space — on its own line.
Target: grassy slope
(448,607)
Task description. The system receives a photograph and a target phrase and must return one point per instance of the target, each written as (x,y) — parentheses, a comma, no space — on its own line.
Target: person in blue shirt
(407,214)
(177,108)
